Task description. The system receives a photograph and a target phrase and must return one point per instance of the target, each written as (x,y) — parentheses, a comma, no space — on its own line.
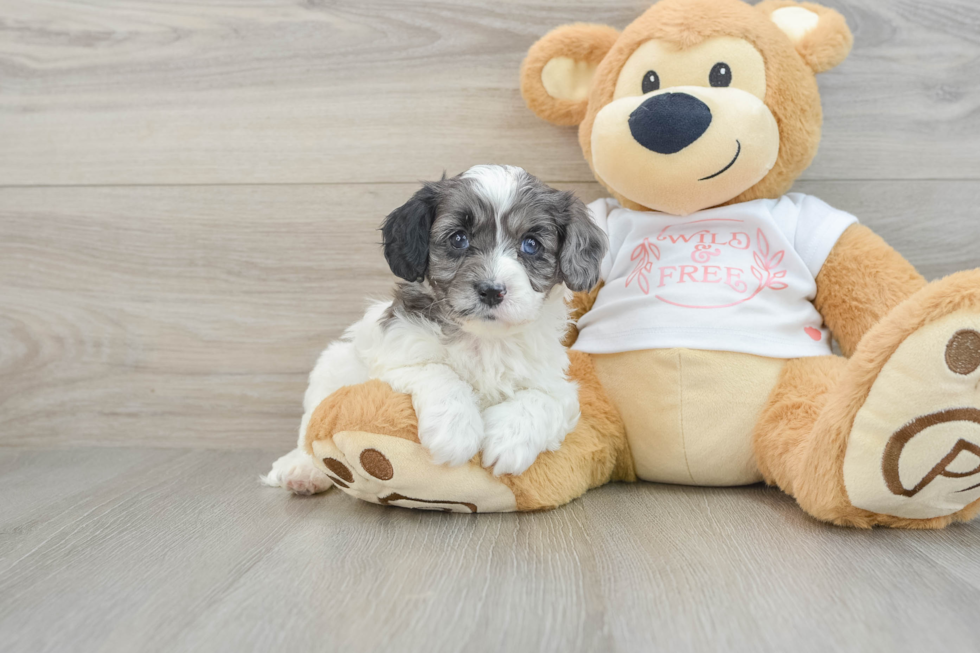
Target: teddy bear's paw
(297,473)
(914,449)
(394,471)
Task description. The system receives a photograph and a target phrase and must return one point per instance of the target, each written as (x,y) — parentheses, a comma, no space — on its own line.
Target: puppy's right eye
(651,82)
(459,240)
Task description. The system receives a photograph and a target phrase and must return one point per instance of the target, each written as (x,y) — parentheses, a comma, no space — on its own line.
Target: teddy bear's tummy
(690,414)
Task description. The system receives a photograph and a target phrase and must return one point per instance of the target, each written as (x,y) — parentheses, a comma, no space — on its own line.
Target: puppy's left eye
(530,246)
(721,75)
(459,240)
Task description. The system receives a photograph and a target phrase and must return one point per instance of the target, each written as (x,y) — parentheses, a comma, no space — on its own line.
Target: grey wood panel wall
(189,193)
(358,91)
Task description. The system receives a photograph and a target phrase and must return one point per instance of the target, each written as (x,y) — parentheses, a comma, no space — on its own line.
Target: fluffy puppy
(474,331)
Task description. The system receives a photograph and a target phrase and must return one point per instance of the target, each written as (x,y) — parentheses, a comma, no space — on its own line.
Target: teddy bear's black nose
(669,122)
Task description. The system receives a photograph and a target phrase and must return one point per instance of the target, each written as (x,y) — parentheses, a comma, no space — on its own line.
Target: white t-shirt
(736,278)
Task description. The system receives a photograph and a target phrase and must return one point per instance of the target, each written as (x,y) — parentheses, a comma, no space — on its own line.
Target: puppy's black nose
(669,122)
(491,294)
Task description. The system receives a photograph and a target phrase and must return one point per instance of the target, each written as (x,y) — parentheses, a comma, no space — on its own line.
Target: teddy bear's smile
(725,169)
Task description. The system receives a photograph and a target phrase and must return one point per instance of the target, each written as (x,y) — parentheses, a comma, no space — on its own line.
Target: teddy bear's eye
(651,82)
(721,75)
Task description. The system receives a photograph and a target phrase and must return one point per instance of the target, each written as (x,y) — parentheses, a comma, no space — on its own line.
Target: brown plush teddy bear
(704,357)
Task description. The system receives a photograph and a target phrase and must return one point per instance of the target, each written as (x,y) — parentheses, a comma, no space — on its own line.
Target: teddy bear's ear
(820,35)
(557,73)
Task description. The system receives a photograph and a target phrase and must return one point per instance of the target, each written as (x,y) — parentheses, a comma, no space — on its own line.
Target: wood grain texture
(152,550)
(173,316)
(189,197)
(160,91)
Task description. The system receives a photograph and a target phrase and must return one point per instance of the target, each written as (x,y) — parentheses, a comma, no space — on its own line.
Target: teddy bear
(704,355)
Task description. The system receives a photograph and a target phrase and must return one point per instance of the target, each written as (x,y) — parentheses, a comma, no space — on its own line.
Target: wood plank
(184,310)
(183,550)
(374,91)
(191,316)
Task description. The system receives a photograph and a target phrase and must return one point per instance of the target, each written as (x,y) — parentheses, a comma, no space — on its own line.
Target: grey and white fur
(475,328)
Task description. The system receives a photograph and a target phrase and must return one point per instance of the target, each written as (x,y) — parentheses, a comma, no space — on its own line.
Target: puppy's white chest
(495,370)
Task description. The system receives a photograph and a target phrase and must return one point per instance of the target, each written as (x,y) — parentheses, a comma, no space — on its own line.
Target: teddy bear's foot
(394,471)
(914,448)
(365,439)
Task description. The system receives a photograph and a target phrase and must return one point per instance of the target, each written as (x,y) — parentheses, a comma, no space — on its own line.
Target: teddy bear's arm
(862,280)
(580,304)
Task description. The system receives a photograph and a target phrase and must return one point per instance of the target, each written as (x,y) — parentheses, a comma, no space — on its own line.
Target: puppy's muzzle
(669,122)
(491,294)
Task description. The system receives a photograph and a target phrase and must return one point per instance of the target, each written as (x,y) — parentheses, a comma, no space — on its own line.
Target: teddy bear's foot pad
(394,471)
(914,450)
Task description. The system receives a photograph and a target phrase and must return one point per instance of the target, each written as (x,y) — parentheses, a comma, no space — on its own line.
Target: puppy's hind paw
(297,473)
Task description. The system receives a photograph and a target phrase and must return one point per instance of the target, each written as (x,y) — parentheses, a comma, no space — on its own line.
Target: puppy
(474,331)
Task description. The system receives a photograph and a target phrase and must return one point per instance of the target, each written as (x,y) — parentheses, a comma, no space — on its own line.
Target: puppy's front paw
(452,432)
(513,439)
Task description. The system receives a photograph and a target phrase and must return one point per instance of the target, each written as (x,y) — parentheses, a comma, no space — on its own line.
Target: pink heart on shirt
(814,333)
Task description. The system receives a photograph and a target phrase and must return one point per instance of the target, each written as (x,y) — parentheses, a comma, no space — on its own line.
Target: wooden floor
(141,549)
(189,198)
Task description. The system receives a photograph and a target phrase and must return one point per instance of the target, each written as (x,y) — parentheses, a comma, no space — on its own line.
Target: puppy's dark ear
(405,234)
(583,246)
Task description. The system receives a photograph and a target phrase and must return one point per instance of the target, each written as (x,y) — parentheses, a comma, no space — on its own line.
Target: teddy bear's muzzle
(685,149)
